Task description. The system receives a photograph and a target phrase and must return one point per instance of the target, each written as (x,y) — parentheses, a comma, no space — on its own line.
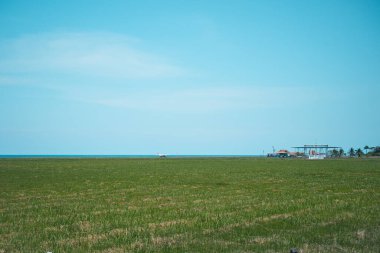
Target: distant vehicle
(161,155)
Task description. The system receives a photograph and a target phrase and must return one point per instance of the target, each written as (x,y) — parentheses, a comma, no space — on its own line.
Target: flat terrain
(189,205)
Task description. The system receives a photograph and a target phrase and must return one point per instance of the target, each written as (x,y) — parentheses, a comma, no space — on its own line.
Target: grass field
(189,205)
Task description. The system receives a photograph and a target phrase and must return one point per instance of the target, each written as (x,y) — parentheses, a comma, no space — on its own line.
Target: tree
(376,151)
(351,152)
(359,152)
(341,152)
(334,153)
(366,149)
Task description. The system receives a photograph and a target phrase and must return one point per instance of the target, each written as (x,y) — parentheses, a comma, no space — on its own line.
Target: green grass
(189,205)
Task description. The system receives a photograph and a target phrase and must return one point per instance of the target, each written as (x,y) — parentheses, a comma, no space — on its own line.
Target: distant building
(305,151)
(314,151)
(282,153)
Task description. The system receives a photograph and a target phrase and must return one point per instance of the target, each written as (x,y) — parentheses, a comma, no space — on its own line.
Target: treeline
(352,152)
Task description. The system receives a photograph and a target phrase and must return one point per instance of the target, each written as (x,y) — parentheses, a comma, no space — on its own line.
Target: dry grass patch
(170,223)
(118,231)
(224,243)
(161,241)
(275,217)
(137,245)
(113,250)
(55,229)
(84,226)
(360,234)
(263,240)
(89,239)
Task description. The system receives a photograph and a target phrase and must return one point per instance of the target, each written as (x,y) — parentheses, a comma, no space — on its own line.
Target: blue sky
(187,77)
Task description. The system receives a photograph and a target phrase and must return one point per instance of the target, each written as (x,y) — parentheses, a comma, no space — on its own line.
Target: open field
(189,205)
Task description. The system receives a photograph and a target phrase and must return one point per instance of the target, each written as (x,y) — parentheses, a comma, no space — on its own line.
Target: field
(189,205)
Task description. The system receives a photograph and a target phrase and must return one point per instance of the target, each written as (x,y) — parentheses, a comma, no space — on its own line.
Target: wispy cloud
(206,100)
(85,67)
(194,100)
(88,54)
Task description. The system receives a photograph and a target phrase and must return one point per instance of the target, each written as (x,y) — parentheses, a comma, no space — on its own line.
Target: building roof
(316,146)
(282,151)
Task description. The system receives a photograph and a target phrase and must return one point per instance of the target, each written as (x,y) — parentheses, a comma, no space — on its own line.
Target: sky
(187,77)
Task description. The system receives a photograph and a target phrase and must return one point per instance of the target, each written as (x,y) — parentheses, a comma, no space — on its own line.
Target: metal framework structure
(315,151)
